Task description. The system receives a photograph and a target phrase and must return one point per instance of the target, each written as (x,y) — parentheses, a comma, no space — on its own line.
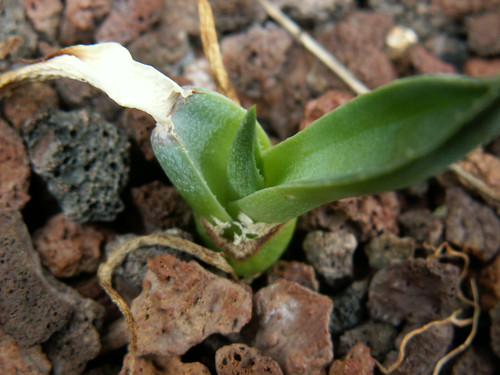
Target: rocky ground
(78,175)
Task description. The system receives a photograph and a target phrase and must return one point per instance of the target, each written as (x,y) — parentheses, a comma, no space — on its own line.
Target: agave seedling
(247,193)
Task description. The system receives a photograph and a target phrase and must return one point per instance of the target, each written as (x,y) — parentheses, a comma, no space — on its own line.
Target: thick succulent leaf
(243,175)
(194,149)
(387,139)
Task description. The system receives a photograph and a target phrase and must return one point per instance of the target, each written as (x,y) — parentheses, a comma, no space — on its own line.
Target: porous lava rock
(67,248)
(357,362)
(472,226)
(495,329)
(388,248)
(293,327)
(331,253)
(422,225)
(14,169)
(415,291)
(44,15)
(482,33)
(181,304)
(349,308)
(244,360)
(83,159)
(298,272)
(489,282)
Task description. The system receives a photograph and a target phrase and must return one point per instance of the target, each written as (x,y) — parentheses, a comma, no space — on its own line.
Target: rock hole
(237,357)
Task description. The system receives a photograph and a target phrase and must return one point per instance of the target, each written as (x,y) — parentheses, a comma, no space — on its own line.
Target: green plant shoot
(246,193)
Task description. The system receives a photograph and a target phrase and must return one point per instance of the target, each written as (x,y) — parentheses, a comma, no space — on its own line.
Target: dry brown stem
(212,51)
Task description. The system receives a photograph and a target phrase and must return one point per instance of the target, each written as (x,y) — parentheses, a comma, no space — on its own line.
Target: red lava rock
(67,248)
(244,360)
(14,169)
(256,61)
(495,329)
(388,248)
(236,14)
(18,360)
(164,365)
(181,304)
(377,336)
(293,327)
(489,281)
(81,18)
(163,49)
(27,101)
(298,272)
(367,216)
(423,351)
(327,102)
(426,63)
(357,362)
(415,291)
(422,225)
(474,361)
(483,32)
(139,125)
(460,8)
(161,207)
(478,67)
(472,226)
(358,44)
(129,19)
(44,15)
(331,253)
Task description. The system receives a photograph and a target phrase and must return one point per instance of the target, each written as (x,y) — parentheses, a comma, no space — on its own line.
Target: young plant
(247,193)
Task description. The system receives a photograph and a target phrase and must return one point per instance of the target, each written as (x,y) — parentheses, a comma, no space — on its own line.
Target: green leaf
(243,175)
(194,149)
(387,139)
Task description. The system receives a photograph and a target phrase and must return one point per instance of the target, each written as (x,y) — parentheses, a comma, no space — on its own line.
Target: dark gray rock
(495,329)
(349,307)
(30,309)
(379,337)
(422,225)
(83,158)
(388,248)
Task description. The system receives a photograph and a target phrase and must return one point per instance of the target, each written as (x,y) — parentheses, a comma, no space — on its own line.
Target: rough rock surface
(293,327)
(426,63)
(327,102)
(182,303)
(160,207)
(422,225)
(83,159)
(423,351)
(474,361)
(44,15)
(14,169)
(28,100)
(331,253)
(460,8)
(67,248)
(18,360)
(128,19)
(379,337)
(482,33)
(298,272)
(30,309)
(489,281)
(256,61)
(357,362)
(81,17)
(415,291)
(36,308)
(163,365)
(495,329)
(388,248)
(17,39)
(479,67)
(244,360)
(349,307)
(472,226)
